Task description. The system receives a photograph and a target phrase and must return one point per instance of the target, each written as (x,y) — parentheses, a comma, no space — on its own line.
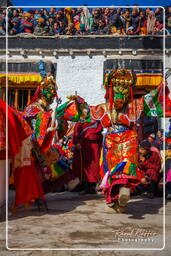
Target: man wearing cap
(154,146)
(40,28)
(149,165)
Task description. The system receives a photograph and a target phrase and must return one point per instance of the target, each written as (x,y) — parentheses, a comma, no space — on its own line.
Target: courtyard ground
(84,221)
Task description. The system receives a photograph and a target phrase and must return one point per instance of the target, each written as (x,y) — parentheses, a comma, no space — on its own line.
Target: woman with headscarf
(86,19)
(151,22)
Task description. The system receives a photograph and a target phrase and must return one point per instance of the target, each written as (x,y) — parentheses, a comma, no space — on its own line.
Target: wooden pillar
(3,94)
(2,181)
(16,99)
(29,96)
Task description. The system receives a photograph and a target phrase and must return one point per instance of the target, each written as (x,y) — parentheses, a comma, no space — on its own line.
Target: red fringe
(35,96)
(111,95)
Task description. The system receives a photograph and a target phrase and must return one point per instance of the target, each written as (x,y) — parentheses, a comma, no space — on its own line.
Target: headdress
(47,79)
(118,78)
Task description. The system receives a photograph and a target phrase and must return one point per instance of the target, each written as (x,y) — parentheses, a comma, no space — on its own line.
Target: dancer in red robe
(18,139)
(28,173)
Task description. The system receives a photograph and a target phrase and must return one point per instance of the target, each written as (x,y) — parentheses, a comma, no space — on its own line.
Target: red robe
(151,166)
(18,130)
(86,159)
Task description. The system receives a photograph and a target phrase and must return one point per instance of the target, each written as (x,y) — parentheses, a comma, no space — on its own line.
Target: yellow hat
(69,9)
(41,20)
(27,14)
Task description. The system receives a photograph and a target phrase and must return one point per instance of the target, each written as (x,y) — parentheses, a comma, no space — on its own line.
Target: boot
(124,196)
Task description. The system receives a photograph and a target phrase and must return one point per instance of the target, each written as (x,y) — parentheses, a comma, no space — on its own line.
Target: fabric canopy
(20,78)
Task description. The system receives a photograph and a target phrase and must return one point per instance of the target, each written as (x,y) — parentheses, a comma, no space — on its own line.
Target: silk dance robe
(119,155)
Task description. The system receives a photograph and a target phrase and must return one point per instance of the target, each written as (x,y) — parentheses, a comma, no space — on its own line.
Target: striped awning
(20,79)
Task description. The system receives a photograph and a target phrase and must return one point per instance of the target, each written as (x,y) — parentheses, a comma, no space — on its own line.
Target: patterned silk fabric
(121,147)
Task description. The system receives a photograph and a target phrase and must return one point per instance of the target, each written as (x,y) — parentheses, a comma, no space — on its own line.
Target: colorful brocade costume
(119,155)
(28,165)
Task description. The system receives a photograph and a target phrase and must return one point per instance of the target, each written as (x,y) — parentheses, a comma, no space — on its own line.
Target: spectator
(154,146)
(28,23)
(159,15)
(56,29)
(151,22)
(85,19)
(70,30)
(115,23)
(61,18)
(96,18)
(147,11)
(126,21)
(76,20)
(40,29)
(102,29)
(2,24)
(62,28)
(168,19)
(134,21)
(15,26)
(88,21)
(158,29)
(142,26)
(149,165)
(68,15)
(106,16)
(52,12)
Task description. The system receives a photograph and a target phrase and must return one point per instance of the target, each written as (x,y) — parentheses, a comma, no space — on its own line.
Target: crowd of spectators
(86,21)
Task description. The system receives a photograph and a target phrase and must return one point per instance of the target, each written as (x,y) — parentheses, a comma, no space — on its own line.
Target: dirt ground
(82,222)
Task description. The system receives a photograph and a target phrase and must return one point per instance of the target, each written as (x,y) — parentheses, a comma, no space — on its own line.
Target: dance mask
(118,85)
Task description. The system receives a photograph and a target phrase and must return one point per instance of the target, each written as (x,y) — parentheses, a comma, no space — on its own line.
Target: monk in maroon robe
(149,165)
(87,140)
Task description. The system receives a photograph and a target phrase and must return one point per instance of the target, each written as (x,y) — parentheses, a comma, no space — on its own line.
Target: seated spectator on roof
(46,15)
(60,17)
(62,28)
(142,26)
(126,20)
(68,15)
(2,23)
(76,21)
(115,23)
(168,20)
(70,30)
(15,26)
(158,29)
(102,28)
(56,29)
(96,18)
(134,22)
(28,23)
(40,29)
(159,14)
(151,22)
(86,20)
(106,16)
(52,12)
(49,24)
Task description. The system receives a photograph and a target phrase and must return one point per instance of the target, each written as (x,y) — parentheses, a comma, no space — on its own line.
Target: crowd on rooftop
(86,21)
